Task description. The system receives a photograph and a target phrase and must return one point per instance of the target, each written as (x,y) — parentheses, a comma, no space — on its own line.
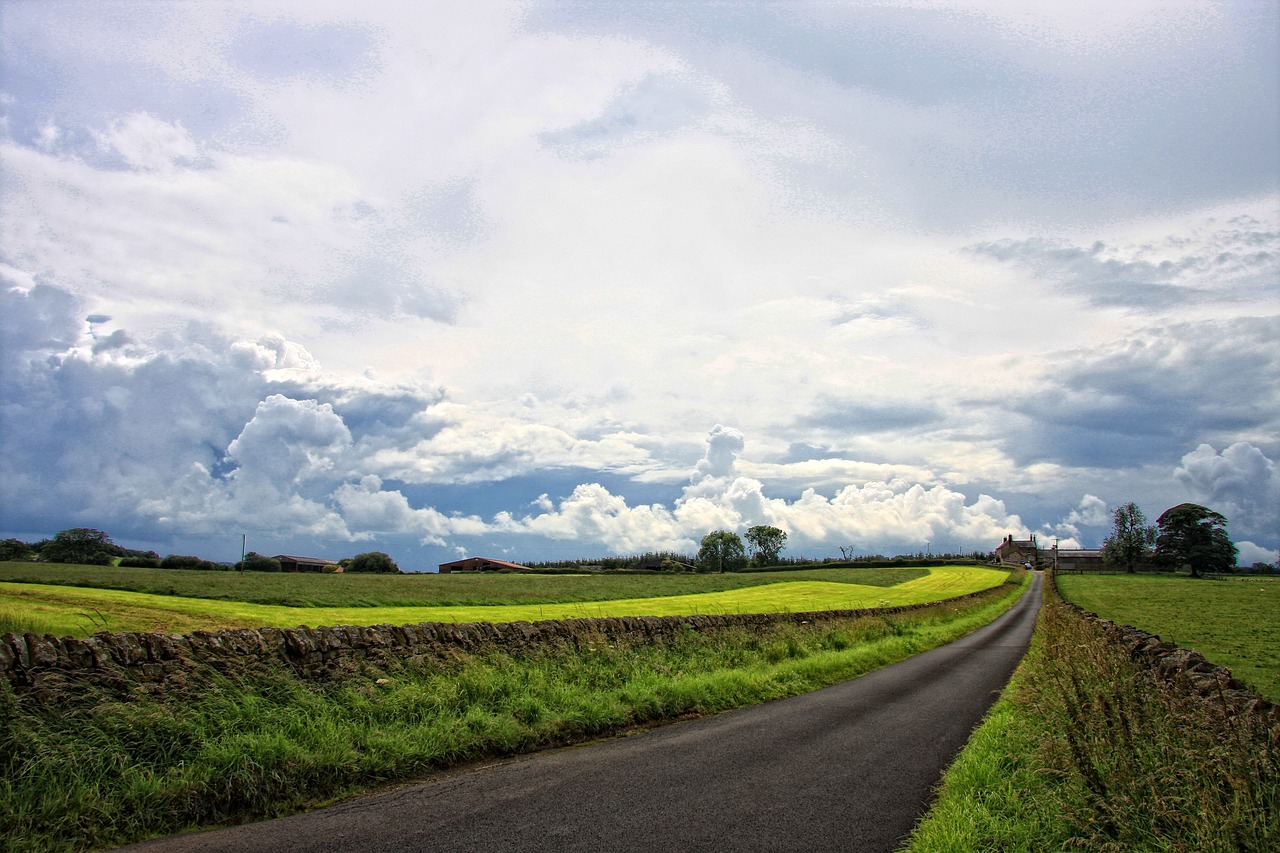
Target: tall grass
(96,771)
(1087,750)
(1234,623)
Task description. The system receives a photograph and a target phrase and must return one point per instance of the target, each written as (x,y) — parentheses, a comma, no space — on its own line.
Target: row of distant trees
(87,546)
(1187,535)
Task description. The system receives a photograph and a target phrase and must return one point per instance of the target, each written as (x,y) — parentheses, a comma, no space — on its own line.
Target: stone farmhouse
(1027,552)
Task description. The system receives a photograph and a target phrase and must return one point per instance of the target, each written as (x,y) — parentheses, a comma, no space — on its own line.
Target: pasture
(423,590)
(81,611)
(1234,622)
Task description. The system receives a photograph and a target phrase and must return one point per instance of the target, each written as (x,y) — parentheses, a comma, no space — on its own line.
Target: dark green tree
(255,562)
(15,549)
(80,545)
(373,561)
(720,551)
(1131,539)
(1195,536)
(767,542)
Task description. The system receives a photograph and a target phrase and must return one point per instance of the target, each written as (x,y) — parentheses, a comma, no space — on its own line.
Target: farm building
(291,563)
(481,564)
(1023,551)
(1065,560)
(1019,551)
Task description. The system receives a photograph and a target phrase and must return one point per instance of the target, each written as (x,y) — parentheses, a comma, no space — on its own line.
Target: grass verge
(1087,751)
(96,772)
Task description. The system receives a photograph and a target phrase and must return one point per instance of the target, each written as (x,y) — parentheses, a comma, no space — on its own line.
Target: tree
(80,545)
(255,562)
(1131,538)
(767,542)
(373,561)
(721,550)
(15,549)
(1194,536)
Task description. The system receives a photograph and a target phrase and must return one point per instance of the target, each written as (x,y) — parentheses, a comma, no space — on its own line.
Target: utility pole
(244,541)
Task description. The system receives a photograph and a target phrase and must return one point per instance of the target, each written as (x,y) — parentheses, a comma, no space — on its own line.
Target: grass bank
(1087,751)
(1233,622)
(77,611)
(100,772)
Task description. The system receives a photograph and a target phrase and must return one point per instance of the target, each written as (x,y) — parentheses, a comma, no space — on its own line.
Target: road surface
(847,768)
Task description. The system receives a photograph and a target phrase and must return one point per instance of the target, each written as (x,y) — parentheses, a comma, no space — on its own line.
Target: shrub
(140,563)
(373,561)
(182,561)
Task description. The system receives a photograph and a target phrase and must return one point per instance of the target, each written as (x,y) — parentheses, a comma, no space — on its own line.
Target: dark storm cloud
(1149,400)
(854,416)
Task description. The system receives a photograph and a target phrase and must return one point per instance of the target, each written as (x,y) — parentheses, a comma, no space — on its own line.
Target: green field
(1234,623)
(424,590)
(80,611)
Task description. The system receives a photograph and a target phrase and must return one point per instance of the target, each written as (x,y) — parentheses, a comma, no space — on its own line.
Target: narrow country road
(847,768)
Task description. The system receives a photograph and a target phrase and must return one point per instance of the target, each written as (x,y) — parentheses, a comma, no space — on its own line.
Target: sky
(548,280)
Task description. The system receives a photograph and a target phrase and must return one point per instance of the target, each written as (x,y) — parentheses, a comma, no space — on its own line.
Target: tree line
(90,547)
(1187,536)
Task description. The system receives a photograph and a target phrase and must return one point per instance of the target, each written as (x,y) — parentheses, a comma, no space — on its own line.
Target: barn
(292,563)
(481,564)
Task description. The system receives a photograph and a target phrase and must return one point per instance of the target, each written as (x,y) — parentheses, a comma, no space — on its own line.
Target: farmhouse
(1019,551)
(481,564)
(1024,551)
(291,563)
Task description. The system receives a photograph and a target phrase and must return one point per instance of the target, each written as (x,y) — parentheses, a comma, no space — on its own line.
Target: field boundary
(43,666)
(1185,669)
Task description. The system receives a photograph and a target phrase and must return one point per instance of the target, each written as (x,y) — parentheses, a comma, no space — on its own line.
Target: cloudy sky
(551,279)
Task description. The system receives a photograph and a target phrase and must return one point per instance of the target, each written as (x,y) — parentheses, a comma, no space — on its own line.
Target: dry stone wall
(1184,669)
(43,666)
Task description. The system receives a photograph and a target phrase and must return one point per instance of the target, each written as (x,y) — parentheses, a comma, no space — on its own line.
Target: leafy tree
(767,542)
(373,561)
(1131,538)
(187,561)
(15,549)
(80,545)
(1195,536)
(255,562)
(721,550)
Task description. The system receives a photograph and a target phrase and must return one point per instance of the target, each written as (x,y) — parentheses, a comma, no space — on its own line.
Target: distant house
(291,563)
(481,564)
(1027,551)
(1019,552)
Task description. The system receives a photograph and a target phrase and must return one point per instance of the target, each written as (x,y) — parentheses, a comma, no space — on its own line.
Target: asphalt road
(847,768)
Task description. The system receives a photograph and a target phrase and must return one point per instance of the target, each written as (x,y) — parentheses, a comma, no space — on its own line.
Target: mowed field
(1234,623)
(83,610)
